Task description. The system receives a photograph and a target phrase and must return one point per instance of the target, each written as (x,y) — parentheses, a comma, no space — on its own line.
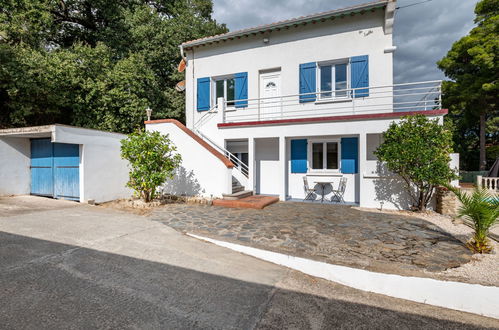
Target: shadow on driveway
(52,285)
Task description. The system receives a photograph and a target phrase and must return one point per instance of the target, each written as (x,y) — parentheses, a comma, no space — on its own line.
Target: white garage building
(63,162)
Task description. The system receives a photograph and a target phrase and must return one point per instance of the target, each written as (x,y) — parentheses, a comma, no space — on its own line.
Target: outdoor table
(323,187)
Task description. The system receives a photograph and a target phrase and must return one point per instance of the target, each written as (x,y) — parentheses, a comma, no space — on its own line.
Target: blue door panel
(349,155)
(55,169)
(66,171)
(299,156)
(66,183)
(42,180)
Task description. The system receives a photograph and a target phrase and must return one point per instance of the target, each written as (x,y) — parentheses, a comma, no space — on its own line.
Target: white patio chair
(309,192)
(338,194)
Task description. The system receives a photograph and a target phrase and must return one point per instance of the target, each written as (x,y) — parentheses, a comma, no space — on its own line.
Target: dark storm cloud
(423,33)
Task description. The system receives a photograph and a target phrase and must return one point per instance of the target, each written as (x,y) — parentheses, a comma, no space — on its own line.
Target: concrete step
(238,195)
(237,188)
(252,202)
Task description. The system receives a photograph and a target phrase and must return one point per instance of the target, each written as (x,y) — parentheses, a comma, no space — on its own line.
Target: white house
(63,162)
(303,98)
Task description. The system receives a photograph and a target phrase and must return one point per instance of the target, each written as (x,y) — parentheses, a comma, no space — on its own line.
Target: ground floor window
(372,143)
(324,155)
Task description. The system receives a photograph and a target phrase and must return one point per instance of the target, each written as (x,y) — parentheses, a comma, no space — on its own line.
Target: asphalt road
(65,265)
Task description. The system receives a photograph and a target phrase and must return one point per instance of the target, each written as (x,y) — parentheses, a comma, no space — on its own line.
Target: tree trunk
(483,159)
(421,201)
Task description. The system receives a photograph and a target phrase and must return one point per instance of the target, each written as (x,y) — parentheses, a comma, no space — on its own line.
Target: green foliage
(153,160)
(418,150)
(95,64)
(80,85)
(481,209)
(472,65)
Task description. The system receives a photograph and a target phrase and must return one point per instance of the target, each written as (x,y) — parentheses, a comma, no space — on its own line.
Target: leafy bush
(481,209)
(152,160)
(417,149)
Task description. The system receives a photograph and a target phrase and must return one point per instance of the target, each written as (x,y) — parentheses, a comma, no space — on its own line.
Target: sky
(423,33)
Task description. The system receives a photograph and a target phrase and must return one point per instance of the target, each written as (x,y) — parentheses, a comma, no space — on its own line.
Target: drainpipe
(182,54)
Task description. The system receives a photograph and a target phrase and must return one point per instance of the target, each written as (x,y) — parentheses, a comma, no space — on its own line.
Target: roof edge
(27,130)
(48,128)
(286,23)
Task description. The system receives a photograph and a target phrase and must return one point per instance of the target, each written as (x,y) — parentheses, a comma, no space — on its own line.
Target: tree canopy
(472,94)
(95,63)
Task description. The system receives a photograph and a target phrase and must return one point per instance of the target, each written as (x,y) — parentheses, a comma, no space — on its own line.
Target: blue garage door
(55,169)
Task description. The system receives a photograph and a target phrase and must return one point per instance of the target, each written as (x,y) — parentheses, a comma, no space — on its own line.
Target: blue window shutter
(360,75)
(241,85)
(203,94)
(299,156)
(349,155)
(307,82)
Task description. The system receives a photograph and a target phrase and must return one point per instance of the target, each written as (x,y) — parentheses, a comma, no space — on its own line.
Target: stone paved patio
(336,234)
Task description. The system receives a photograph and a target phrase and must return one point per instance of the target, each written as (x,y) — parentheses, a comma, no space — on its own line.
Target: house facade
(299,102)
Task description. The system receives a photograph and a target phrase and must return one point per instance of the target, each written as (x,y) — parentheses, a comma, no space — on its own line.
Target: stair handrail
(239,165)
(201,121)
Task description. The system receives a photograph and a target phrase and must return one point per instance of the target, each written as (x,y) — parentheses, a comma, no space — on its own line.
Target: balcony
(408,97)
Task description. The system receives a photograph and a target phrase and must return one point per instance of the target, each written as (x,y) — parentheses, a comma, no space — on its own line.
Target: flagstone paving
(336,234)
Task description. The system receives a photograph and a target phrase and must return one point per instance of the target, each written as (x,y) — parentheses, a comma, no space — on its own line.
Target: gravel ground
(483,268)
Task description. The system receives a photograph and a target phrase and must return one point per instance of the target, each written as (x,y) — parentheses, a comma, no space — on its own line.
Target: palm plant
(481,210)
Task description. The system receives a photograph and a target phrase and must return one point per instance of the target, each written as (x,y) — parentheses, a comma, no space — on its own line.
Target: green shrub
(152,159)
(481,209)
(417,149)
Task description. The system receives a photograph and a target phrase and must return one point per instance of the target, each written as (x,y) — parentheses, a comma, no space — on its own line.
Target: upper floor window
(225,88)
(334,80)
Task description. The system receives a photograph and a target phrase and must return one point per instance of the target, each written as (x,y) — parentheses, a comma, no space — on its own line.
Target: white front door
(270,93)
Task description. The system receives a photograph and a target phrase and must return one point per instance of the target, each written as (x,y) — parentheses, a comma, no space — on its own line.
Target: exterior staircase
(238,191)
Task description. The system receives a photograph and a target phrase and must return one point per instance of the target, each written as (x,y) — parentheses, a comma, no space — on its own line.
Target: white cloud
(423,33)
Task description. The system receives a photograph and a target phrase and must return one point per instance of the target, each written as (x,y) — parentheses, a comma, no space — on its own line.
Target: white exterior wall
(267,166)
(103,173)
(15,176)
(201,172)
(331,40)
(454,164)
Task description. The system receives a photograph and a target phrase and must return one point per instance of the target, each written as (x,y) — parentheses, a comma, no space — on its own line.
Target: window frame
(214,90)
(333,64)
(370,156)
(324,153)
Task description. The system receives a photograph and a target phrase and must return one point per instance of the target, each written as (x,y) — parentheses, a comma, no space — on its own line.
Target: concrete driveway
(66,265)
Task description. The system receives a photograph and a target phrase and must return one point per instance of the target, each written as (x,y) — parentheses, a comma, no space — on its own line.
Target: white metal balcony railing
(417,96)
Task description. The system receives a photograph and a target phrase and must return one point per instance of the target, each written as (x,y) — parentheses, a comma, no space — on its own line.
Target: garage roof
(42,131)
